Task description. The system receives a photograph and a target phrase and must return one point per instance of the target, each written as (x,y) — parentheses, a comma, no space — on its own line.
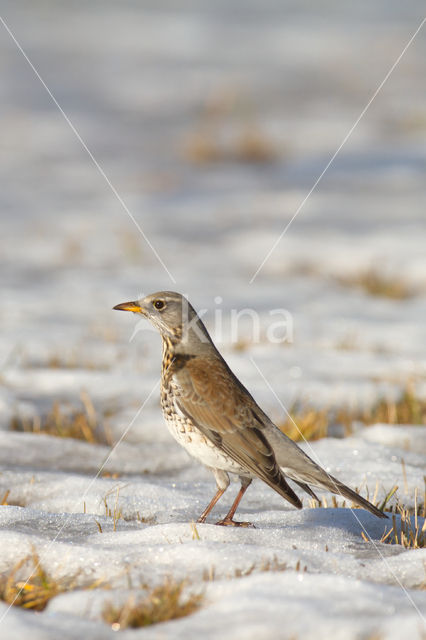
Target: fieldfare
(213,416)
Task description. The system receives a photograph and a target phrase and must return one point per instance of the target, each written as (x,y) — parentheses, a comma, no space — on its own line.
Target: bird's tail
(312,474)
(324,480)
(300,468)
(337,487)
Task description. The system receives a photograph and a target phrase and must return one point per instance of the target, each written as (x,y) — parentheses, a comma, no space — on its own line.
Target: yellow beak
(128,306)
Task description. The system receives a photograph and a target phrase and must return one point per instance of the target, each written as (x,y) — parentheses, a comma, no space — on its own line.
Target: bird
(214,417)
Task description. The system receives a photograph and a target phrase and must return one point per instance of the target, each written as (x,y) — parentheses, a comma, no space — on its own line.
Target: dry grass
(408,409)
(273,565)
(162,603)
(82,424)
(248,146)
(310,423)
(74,361)
(263,567)
(408,534)
(411,532)
(252,146)
(227,131)
(378,284)
(30,586)
(6,501)
(306,423)
(114,513)
(194,531)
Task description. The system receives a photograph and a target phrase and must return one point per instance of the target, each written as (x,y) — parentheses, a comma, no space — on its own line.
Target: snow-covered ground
(142,83)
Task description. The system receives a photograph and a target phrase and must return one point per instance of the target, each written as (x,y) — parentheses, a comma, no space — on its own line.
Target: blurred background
(212,121)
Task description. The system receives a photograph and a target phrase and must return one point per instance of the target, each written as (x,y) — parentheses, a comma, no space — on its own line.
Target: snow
(319,555)
(138,82)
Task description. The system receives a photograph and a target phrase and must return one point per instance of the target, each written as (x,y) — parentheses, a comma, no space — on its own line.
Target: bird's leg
(228,520)
(219,493)
(222,483)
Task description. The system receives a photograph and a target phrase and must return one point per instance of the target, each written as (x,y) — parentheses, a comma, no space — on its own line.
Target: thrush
(213,416)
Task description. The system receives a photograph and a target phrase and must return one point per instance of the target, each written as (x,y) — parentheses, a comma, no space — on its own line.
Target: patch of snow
(139,83)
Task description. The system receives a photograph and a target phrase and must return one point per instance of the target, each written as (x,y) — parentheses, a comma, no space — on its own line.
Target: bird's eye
(158,304)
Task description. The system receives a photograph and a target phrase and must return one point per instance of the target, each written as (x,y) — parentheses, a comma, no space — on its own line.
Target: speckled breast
(190,437)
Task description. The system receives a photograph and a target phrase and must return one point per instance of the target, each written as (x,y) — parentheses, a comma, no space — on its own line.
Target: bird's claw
(234,523)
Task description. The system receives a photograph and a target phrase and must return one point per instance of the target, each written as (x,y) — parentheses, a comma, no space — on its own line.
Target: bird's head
(171,314)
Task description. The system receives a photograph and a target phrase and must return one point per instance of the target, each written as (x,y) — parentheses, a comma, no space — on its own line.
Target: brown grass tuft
(160,604)
(74,361)
(378,284)
(411,533)
(249,146)
(30,586)
(81,425)
(227,131)
(114,513)
(408,409)
(273,565)
(310,423)
(306,423)
(252,146)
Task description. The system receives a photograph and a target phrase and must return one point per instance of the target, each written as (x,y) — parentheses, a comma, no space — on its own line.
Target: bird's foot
(228,522)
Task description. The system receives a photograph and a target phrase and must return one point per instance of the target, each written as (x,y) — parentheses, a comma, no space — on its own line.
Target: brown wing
(225,413)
